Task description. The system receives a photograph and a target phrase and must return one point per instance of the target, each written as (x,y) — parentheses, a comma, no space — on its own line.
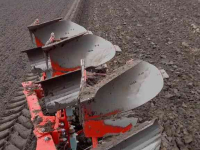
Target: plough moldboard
(85,105)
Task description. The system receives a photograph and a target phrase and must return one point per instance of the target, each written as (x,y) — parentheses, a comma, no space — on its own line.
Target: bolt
(43,129)
(62,130)
(62,124)
(46,138)
(63,139)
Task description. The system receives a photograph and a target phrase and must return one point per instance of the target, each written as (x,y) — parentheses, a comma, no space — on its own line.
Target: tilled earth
(15,16)
(165,33)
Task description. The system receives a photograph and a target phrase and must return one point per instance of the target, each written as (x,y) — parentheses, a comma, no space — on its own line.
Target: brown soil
(166,34)
(15,16)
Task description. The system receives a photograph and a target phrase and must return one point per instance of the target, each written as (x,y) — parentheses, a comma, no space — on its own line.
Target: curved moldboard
(129,90)
(93,49)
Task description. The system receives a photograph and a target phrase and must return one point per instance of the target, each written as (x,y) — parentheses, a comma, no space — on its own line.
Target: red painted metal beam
(97,128)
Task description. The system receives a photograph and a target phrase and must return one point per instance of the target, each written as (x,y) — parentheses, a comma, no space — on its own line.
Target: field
(165,33)
(15,16)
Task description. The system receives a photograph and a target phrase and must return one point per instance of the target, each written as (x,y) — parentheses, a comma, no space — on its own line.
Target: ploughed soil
(165,33)
(15,16)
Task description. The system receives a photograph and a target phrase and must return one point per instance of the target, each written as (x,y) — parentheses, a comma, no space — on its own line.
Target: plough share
(87,107)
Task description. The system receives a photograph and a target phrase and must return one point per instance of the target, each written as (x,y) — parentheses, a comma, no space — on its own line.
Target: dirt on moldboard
(15,16)
(165,33)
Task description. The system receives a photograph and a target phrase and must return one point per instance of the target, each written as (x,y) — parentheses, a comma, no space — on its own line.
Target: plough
(86,107)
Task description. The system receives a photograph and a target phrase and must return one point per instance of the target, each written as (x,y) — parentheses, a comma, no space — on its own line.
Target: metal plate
(36,58)
(93,49)
(129,90)
(61,29)
(146,136)
(62,91)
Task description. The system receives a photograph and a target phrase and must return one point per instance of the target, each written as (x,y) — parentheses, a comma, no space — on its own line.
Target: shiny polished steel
(36,58)
(128,88)
(93,49)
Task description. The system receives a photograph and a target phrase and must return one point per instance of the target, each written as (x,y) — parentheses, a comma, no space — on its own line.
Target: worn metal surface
(33,27)
(36,58)
(122,122)
(146,136)
(93,49)
(61,29)
(61,91)
(68,52)
(132,86)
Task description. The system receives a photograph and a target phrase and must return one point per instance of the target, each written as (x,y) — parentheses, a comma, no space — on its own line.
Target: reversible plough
(84,105)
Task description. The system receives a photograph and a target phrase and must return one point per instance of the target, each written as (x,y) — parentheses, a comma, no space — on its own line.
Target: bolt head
(63,130)
(46,138)
(62,124)
(64,139)
(43,129)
